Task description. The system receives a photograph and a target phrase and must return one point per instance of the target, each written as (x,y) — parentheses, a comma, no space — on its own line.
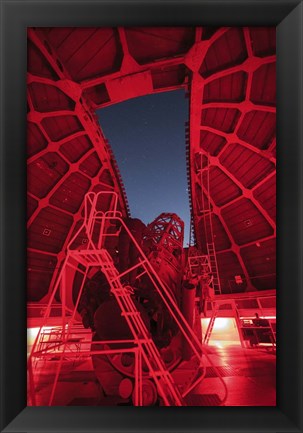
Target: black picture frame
(16,17)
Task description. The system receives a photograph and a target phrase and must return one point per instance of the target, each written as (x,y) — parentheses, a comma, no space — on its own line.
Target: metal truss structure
(64,340)
(229,76)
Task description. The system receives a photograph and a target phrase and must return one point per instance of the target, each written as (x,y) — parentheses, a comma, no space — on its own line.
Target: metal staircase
(231,307)
(147,349)
(96,224)
(210,328)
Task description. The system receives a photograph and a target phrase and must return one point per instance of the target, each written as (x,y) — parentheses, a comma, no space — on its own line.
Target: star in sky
(151,159)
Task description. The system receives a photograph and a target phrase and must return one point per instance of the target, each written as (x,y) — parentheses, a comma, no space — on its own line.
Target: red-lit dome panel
(230,77)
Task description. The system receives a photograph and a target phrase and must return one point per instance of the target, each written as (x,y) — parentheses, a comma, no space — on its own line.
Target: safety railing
(93,255)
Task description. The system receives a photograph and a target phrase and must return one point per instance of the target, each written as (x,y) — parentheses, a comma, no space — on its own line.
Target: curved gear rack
(229,74)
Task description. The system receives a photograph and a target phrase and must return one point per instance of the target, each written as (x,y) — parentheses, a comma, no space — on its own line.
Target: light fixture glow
(220,323)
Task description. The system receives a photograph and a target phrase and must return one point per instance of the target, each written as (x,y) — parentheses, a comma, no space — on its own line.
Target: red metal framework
(232,125)
(62,339)
(229,74)
(243,308)
(167,229)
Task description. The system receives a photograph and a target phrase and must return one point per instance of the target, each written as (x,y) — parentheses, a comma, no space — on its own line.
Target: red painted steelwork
(230,77)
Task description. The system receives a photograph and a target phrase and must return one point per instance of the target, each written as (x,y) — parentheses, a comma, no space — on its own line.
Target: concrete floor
(249,374)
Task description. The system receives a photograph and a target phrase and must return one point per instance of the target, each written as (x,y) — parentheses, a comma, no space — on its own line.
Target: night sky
(147,135)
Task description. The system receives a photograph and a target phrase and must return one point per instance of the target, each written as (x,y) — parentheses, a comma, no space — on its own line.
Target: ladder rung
(142,337)
(144,341)
(120,292)
(130,313)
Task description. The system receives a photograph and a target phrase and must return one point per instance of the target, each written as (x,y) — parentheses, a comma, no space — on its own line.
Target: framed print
(146,272)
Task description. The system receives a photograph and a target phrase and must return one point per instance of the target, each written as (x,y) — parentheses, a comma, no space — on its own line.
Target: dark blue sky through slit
(147,135)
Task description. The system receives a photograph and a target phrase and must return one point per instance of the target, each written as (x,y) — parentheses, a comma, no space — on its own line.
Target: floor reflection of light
(218,344)
(221,344)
